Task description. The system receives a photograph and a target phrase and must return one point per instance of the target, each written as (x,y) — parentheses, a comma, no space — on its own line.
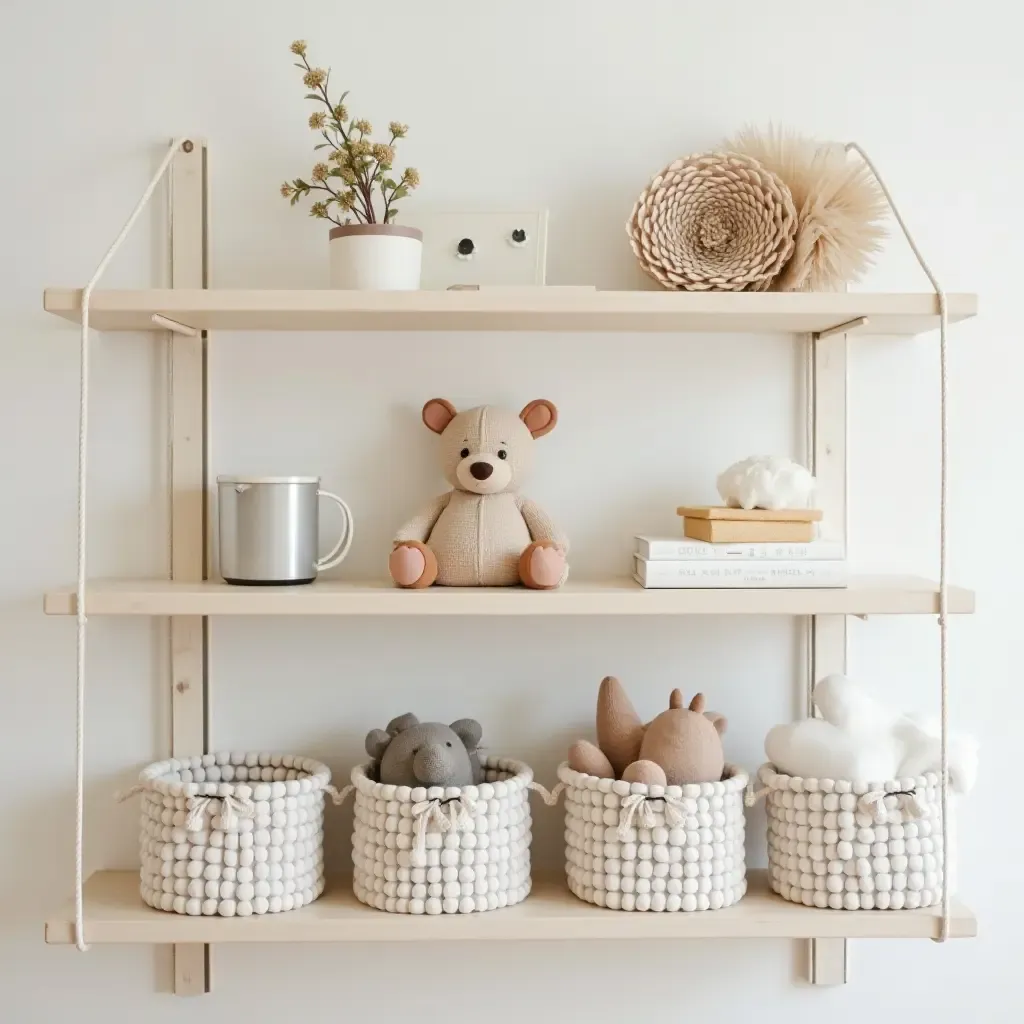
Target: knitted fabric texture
(478,538)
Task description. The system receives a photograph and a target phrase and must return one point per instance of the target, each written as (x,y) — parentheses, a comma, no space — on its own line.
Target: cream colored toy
(483,533)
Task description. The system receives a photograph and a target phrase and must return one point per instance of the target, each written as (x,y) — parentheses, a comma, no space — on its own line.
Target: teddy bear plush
(482,533)
(414,753)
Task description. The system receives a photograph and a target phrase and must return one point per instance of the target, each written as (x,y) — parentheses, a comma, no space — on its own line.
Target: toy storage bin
(232,834)
(636,847)
(854,845)
(443,851)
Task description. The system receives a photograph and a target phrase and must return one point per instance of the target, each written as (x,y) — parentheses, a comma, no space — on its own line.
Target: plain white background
(570,106)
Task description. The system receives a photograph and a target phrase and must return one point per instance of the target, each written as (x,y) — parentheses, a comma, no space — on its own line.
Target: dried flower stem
(356,158)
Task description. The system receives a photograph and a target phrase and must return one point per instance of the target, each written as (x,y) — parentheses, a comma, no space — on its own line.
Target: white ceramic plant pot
(376,257)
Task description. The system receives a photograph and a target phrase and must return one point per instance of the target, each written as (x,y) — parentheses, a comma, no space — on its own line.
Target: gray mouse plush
(414,753)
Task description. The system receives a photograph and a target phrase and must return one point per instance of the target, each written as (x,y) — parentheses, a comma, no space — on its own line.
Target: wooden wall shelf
(115,913)
(527,310)
(867,595)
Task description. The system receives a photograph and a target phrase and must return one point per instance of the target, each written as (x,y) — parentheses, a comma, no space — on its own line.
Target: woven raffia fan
(839,205)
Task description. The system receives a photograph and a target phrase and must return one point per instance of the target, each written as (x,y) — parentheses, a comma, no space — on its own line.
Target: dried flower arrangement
(356,174)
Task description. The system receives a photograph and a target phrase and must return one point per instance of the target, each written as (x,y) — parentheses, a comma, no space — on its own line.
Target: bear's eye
(503,454)
(448,744)
(464,453)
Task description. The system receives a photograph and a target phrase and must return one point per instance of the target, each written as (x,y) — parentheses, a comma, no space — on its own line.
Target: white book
(746,573)
(656,549)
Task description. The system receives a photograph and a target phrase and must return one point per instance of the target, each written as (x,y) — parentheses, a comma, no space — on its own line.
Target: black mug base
(268,583)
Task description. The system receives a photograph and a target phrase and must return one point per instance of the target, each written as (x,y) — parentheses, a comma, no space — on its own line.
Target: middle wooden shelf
(866,595)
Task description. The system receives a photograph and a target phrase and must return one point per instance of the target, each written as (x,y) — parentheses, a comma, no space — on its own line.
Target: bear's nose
(481,470)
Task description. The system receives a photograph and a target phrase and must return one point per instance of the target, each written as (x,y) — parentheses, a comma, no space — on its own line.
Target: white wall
(566,105)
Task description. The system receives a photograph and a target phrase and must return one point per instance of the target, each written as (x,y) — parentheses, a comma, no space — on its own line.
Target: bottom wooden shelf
(115,913)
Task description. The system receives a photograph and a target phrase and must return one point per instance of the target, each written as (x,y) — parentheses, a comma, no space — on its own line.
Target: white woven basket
(232,834)
(854,845)
(443,851)
(636,847)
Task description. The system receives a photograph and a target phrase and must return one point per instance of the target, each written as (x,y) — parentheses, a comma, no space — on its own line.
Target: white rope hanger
(83,466)
(853,147)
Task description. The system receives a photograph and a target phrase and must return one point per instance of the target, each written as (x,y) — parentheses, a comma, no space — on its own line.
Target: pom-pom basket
(854,845)
(458,850)
(662,848)
(232,834)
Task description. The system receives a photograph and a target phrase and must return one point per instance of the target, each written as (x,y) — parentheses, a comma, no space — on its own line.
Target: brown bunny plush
(483,533)
(679,746)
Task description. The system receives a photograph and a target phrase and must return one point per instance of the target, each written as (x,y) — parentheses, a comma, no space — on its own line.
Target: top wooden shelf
(516,310)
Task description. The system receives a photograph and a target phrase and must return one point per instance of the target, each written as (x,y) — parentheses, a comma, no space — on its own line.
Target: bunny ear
(697,704)
(675,699)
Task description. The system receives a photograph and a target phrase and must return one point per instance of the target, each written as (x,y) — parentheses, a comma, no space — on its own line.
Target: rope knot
(638,807)
(230,808)
(893,808)
(452,815)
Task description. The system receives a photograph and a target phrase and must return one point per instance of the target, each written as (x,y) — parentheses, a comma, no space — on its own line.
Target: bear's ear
(377,741)
(438,413)
(540,417)
(468,730)
(720,722)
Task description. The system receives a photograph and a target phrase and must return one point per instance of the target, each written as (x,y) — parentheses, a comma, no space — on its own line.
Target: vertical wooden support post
(827,958)
(189,728)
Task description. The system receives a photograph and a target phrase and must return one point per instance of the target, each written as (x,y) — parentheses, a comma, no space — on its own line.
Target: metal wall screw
(188,145)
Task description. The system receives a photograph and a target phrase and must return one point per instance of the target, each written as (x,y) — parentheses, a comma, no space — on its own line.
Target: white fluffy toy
(768,482)
(860,739)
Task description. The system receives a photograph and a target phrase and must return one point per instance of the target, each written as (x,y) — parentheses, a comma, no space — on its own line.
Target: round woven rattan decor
(714,222)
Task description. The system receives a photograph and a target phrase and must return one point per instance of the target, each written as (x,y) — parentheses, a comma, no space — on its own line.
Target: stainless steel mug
(269,529)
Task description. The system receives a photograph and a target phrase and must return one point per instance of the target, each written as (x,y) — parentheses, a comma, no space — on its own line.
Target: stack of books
(732,547)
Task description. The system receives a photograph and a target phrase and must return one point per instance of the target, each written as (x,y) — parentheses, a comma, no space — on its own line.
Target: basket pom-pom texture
(855,845)
(443,850)
(634,847)
(232,834)
(714,221)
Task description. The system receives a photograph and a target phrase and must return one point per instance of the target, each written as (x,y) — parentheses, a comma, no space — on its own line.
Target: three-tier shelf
(188,315)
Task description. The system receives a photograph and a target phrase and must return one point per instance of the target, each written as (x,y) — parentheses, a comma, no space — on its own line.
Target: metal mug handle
(340,550)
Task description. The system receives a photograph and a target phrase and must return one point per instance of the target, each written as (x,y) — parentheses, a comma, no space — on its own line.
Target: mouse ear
(438,413)
(540,417)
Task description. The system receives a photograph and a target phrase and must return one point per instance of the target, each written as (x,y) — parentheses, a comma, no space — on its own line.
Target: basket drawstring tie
(638,807)
(230,808)
(459,818)
(908,805)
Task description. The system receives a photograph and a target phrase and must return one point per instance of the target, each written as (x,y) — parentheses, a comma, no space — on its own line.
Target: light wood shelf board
(554,310)
(866,595)
(115,913)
